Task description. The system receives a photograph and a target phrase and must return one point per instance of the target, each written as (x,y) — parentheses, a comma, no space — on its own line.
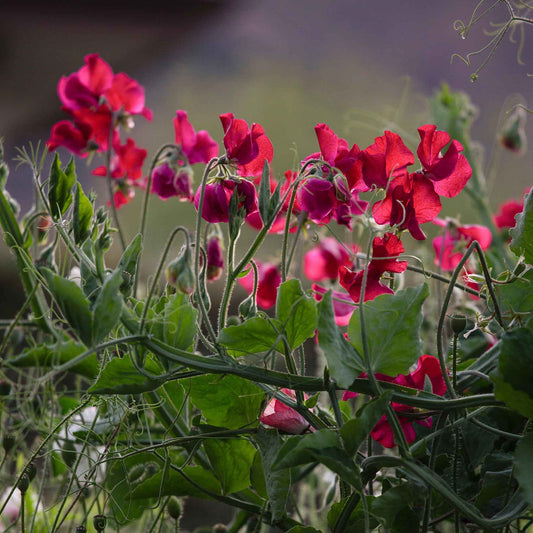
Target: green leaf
(277,482)
(356,430)
(107,307)
(73,304)
(392,323)
(257,476)
(517,297)
(303,529)
(297,313)
(356,520)
(57,354)
(60,187)
(81,216)
(522,233)
(264,193)
(524,466)
(256,335)
(344,362)
(514,378)
(128,264)
(120,377)
(179,328)
(395,508)
(231,461)
(227,401)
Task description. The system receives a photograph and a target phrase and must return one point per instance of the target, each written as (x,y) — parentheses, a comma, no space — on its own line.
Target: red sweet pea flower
(386,158)
(73,138)
(168,181)
(125,94)
(324,260)
(389,247)
(429,367)
(449,248)
(126,163)
(317,197)
(280,416)
(247,148)
(343,305)
(449,172)
(198,147)
(215,259)
(410,201)
(269,279)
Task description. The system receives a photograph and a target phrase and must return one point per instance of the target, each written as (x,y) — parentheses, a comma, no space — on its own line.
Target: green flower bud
(179,273)
(458,323)
(23,484)
(174,507)
(513,133)
(8,442)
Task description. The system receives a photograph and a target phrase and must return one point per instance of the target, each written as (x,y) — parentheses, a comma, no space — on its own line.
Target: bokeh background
(360,66)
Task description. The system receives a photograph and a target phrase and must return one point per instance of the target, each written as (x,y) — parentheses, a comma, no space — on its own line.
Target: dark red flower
(428,367)
(410,201)
(247,148)
(75,139)
(449,172)
(386,158)
(505,218)
(385,251)
(280,416)
(317,197)
(168,182)
(215,258)
(198,147)
(269,279)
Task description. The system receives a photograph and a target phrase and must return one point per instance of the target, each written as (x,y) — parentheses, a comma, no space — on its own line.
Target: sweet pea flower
(317,197)
(343,304)
(385,251)
(247,148)
(168,182)
(269,279)
(449,172)
(324,260)
(126,163)
(427,367)
(280,416)
(198,147)
(215,258)
(505,218)
(449,248)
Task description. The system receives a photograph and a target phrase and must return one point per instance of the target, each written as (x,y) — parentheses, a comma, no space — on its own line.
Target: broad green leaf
(322,446)
(179,328)
(344,362)
(257,476)
(277,482)
(522,233)
(256,335)
(231,461)
(356,521)
(395,509)
(73,304)
(303,529)
(356,430)
(128,264)
(60,186)
(57,354)
(81,216)
(514,378)
(296,312)
(392,323)
(517,297)
(264,193)
(524,465)
(227,401)
(107,307)
(120,377)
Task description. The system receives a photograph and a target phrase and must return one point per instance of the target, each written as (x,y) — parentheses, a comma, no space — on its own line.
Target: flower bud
(169,181)
(99,522)
(31,471)
(215,259)
(458,323)
(179,273)
(8,442)
(513,134)
(247,308)
(23,484)
(174,507)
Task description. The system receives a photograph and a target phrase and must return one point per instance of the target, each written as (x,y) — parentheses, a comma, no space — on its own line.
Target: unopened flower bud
(8,442)
(174,507)
(248,308)
(99,522)
(179,273)
(458,323)
(513,133)
(169,181)
(215,259)
(23,484)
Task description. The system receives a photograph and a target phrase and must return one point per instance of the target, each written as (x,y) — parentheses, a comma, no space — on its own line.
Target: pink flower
(126,163)
(215,259)
(280,416)
(198,147)
(73,138)
(410,201)
(168,182)
(324,260)
(343,305)
(269,279)
(449,248)
(389,247)
(126,95)
(505,218)
(247,148)
(317,197)
(428,367)
(449,172)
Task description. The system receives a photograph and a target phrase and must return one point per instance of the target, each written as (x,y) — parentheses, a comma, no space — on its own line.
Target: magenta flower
(389,247)
(324,260)
(428,367)
(449,248)
(198,147)
(449,172)
(73,138)
(410,201)
(215,259)
(126,163)
(280,416)
(247,148)
(168,182)
(317,197)
(343,305)
(269,279)
(505,218)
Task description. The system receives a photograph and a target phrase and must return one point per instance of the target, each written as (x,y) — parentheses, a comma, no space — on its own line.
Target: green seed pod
(174,507)
(23,484)
(458,323)
(99,522)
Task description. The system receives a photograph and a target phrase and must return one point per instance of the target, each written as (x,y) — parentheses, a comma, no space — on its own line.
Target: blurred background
(361,67)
